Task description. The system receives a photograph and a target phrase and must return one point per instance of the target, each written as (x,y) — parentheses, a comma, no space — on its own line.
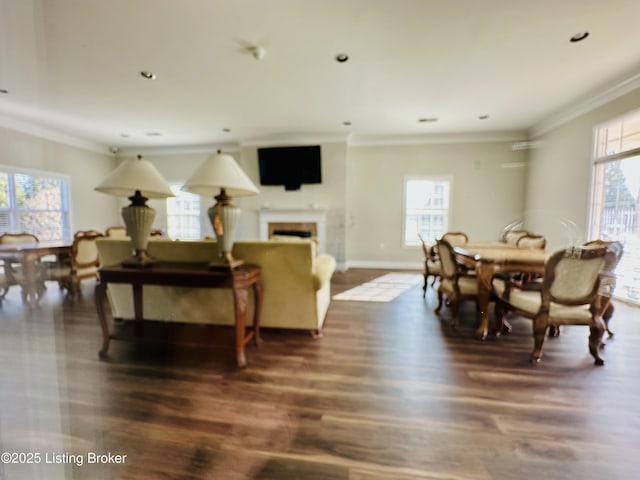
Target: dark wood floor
(390,392)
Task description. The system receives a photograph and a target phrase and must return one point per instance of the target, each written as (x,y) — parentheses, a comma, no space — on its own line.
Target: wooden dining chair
(456,239)
(455,285)
(116,231)
(432,266)
(83,264)
(567,295)
(511,237)
(12,267)
(608,278)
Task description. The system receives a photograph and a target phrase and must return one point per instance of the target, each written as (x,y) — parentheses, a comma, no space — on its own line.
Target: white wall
(558,186)
(89,209)
(485,197)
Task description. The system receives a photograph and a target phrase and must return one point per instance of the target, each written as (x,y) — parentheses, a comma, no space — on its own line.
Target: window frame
(66,200)
(449,210)
(597,182)
(176,187)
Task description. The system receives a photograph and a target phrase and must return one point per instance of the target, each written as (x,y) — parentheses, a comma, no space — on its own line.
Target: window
(183,215)
(615,200)
(426,208)
(36,203)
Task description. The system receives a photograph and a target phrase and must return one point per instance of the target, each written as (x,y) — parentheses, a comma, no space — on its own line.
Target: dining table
(490,258)
(28,255)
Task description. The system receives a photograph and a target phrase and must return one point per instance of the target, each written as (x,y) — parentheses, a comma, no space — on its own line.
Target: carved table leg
(484,273)
(258,293)
(240,296)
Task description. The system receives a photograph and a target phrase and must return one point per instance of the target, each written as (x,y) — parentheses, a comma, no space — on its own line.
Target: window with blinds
(183,215)
(426,208)
(36,203)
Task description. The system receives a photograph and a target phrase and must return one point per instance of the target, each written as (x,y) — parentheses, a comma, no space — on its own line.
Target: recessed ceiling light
(148,75)
(124,135)
(2,90)
(153,134)
(428,119)
(578,37)
(342,57)
(483,117)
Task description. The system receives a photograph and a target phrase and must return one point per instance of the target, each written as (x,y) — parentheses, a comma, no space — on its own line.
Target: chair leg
(606,316)
(502,326)
(424,286)
(437,310)
(540,324)
(595,340)
(455,308)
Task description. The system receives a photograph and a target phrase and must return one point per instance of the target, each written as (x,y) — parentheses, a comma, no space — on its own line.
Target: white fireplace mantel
(272,215)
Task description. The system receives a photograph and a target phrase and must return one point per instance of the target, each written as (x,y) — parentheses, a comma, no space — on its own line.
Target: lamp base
(140,259)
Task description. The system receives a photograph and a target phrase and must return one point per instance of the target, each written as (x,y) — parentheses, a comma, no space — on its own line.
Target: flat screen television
(290,166)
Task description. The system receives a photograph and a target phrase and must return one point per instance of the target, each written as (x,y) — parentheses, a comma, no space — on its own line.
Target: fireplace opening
(294,233)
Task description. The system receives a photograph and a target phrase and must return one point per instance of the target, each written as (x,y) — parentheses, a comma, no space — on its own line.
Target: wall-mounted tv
(290,166)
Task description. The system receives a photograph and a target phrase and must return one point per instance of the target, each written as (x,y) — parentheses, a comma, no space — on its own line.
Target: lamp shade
(220,171)
(136,174)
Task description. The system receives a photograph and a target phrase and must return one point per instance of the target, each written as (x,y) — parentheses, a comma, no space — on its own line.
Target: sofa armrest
(325,266)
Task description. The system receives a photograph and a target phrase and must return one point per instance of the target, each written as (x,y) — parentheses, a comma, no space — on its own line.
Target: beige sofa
(296,283)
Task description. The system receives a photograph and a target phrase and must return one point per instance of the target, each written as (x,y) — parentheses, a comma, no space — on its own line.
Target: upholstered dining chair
(511,237)
(608,278)
(82,264)
(455,286)
(5,281)
(568,295)
(12,267)
(116,231)
(456,239)
(432,266)
(531,241)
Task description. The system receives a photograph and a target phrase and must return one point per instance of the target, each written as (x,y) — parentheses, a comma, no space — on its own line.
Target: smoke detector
(257,51)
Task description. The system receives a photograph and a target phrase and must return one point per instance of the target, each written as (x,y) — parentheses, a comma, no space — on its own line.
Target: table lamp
(138,180)
(221,175)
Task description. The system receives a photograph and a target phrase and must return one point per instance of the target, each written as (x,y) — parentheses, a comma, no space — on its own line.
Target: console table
(184,274)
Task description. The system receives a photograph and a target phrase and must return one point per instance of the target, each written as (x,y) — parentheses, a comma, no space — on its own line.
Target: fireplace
(303,223)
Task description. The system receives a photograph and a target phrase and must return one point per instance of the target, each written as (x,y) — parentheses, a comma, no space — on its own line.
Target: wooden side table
(183,274)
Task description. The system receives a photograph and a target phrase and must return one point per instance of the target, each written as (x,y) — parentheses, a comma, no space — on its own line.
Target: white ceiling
(73,66)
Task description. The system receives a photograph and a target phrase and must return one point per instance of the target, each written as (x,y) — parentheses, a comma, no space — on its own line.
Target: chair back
(447,260)
(511,237)
(572,276)
(456,239)
(82,233)
(84,253)
(116,231)
(531,241)
(17,238)
(608,273)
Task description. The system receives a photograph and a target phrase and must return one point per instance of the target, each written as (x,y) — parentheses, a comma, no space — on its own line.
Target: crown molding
(473,137)
(13,123)
(584,106)
(294,139)
(178,149)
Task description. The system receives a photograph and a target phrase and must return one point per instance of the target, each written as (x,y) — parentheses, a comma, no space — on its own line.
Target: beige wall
(558,186)
(330,195)
(89,209)
(485,196)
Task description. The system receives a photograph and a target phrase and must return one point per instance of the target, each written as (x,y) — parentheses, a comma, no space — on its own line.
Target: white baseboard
(383,265)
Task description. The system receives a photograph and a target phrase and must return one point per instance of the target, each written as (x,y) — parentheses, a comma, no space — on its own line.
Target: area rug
(381,289)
